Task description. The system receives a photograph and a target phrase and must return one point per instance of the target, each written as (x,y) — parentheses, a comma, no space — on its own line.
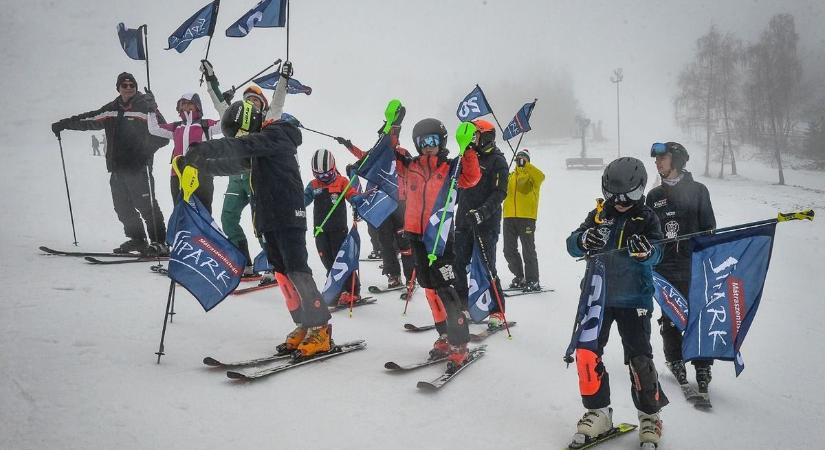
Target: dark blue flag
(727,277)
(261,263)
(590,313)
(292,87)
(474,105)
(520,123)
(201,24)
(379,167)
(201,258)
(346,262)
(480,296)
(434,242)
(376,205)
(266,14)
(131,39)
(673,303)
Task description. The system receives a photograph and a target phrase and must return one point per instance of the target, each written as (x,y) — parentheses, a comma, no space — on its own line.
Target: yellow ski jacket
(523,188)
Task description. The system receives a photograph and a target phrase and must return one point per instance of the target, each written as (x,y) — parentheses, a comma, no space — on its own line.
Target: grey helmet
(624,180)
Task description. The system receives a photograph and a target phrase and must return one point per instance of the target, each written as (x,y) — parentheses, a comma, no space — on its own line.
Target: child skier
(625,222)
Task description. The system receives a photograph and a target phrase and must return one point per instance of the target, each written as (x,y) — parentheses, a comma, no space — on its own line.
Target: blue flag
(346,263)
(201,24)
(201,258)
(261,263)
(131,39)
(673,303)
(433,240)
(379,168)
(590,313)
(520,123)
(376,205)
(480,296)
(474,105)
(727,277)
(292,87)
(266,14)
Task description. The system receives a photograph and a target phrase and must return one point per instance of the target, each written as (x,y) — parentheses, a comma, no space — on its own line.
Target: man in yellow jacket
(520,210)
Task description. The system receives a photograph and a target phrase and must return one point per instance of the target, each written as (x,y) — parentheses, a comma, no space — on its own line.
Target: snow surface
(77,342)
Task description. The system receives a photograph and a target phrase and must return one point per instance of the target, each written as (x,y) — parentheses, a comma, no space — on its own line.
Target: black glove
(343,141)
(477,215)
(591,239)
(402,111)
(286,70)
(150,101)
(58,126)
(639,247)
(227,96)
(208,71)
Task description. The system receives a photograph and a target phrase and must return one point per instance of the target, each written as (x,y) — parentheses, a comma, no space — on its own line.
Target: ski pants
(465,240)
(133,198)
(205,192)
(287,252)
(594,381)
(375,238)
(671,336)
(440,277)
(393,242)
(238,195)
(515,229)
(328,244)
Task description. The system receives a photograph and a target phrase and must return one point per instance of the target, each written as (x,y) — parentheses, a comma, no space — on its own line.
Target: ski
(378,290)
(368,259)
(337,350)
(690,392)
(618,430)
(212,362)
(361,302)
(160,270)
(254,288)
(487,332)
(703,402)
(142,259)
(253,277)
(395,367)
(438,383)
(416,328)
(517,293)
(96,254)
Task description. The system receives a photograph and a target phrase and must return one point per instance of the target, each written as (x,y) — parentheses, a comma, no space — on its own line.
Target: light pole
(617,78)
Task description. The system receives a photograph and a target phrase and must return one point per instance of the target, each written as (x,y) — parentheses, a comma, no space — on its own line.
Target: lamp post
(617,78)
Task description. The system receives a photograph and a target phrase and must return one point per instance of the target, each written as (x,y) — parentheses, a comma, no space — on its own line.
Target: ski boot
(317,340)
(517,283)
(593,424)
(346,298)
(267,278)
(375,254)
(531,286)
(293,339)
(393,281)
(249,274)
(496,320)
(156,249)
(459,354)
(650,430)
(677,368)
(440,348)
(132,245)
(703,378)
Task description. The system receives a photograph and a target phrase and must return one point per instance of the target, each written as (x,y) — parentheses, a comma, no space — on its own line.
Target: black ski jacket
(487,195)
(130,147)
(683,208)
(277,190)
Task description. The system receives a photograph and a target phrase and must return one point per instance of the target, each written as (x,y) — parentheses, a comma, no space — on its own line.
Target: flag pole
(287,30)
(146,50)
(496,119)
(518,144)
(254,76)
(217,4)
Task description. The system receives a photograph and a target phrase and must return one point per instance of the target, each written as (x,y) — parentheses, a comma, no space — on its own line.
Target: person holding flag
(683,207)
(520,212)
(627,286)
(428,180)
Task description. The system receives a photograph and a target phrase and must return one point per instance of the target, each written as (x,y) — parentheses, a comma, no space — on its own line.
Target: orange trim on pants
(589,380)
(293,300)
(437,307)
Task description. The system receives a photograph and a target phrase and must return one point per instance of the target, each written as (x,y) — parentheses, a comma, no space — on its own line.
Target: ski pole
(165,318)
(253,76)
(66,181)
(518,144)
(410,287)
(493,278)
(316,131)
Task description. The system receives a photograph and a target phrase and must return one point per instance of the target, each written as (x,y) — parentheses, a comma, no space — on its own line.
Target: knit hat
(523,153)
(125,76)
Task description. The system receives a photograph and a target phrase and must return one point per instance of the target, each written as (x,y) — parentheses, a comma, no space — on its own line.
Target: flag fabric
(590,313)
(480,295)
(346,262)
(674,305)
(270,81)
(201,24)
(131,39)
(473,106)
(520,123)
(379,168)
(727,277)
(435,243)
(261,263)
(266,14)
(376,205)
(201,258)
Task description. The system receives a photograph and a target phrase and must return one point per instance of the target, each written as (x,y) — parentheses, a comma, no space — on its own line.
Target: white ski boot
(593,424)
(650,430)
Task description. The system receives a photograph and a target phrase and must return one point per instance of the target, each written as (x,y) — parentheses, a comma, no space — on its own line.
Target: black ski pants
(132,196)
(671,336)
(328,244)
(205,192)
(515,229)
(375,238)
(393,242)
(465,239)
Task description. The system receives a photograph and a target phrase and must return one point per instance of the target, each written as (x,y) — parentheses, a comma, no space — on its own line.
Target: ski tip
(426,386)
(210,361)
(391,365)
(236,375)
(409,326)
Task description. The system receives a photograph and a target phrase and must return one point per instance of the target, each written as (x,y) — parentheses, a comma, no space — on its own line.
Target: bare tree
(730,59)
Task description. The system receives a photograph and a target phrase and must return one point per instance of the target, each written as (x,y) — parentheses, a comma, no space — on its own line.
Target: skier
(129,157)
(95,146)
(423,178)
(238,191)
(479,215)
(191,128)
(683,206)
(324,191)
(520,212)
(269,151)
(625,222)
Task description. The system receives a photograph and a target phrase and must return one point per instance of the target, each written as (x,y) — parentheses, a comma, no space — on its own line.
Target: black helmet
(426,128)
(242,117)
(624,180)
(679,155)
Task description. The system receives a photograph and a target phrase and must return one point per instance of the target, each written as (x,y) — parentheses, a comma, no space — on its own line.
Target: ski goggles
(429,140)
(658,149)
(625,198)
(325,177)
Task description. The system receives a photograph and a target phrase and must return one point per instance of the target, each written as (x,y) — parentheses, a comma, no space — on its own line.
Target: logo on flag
(520,123)
(346,263)
(376,205)
(266,14)
(201,24)
(473,106)
(293,86)
(590,313)
(672,302)
(379,168)
(434,242)
(480,297)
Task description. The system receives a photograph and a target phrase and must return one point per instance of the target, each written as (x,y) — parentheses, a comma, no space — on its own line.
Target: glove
(639,247)
(150,100)
(227,96)
(207,70)
(591,239)
(345,142)
(57,127)
(477,215)
(286,70)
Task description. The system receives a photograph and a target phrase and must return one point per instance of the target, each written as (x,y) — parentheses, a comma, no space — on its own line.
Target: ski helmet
(194,98)
(487,135)
(430,133)
(323,165)
(254,91)
(679,155)
(624,180)
(242,117)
